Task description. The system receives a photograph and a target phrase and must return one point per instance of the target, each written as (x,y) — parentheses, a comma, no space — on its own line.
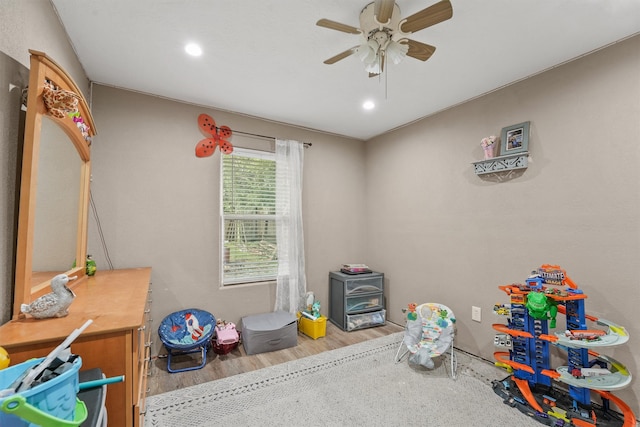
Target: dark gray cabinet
(356,301)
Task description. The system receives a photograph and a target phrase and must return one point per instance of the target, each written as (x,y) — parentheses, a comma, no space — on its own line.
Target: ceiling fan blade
(432,15)
(342,55)
(383,10)
(333,25)
(419,50)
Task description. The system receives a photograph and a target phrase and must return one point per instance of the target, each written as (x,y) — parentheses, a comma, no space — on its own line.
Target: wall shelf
(503,163)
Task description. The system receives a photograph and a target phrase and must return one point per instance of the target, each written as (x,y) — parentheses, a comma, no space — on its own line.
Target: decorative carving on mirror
(54,189)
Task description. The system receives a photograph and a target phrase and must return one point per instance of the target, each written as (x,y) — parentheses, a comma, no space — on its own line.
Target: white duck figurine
(53,304)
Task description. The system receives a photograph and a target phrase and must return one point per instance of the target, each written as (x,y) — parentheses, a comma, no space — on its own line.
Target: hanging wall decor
(216,136)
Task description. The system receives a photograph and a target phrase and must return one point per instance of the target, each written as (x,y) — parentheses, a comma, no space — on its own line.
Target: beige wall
(417,212)
(158,204)
(441,233)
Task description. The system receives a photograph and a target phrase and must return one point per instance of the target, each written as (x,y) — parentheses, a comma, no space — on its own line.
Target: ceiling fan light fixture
(368,52)
(396,51)
(374,68)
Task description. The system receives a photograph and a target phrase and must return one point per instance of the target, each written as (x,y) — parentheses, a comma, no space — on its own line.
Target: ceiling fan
(385,34)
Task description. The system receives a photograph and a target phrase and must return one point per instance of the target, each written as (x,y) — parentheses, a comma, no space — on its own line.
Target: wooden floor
(237,361)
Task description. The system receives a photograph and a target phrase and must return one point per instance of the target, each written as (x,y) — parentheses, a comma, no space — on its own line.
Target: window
(248,187)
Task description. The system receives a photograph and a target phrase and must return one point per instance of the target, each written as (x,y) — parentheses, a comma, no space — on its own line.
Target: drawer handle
(142,328)
(149,300)
(147,311)
(148,344)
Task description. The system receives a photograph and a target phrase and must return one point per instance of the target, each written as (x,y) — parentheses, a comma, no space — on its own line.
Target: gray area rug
(358,385)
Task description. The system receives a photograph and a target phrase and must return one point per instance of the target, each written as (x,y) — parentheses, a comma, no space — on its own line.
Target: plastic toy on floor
(315,309)
(226,338)
(226,332)
(532,387)
(312,307)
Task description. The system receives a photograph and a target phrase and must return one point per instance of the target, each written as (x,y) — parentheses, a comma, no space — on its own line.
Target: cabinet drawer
(143,364)
(365,320)
(358,286)
(365,302)
(140,408)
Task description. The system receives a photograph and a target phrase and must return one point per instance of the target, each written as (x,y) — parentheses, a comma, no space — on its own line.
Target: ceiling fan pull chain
(385,84)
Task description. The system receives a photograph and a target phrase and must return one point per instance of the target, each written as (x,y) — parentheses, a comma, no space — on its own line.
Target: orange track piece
(581,423)
(503,328)
(523,385)
(563,310)
(550,338)
(550,373)
(512,289)
(503,357)
(629,417)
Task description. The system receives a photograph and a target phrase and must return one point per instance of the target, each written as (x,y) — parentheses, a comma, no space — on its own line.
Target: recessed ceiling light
(193,49)
(368,105)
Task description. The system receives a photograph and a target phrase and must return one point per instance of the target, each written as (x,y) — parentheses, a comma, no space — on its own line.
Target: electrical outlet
(476,313)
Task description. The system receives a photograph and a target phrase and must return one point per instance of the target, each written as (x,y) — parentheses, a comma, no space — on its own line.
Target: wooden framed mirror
(54,189)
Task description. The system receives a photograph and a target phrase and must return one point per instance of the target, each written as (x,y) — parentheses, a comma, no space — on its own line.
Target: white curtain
(292,282)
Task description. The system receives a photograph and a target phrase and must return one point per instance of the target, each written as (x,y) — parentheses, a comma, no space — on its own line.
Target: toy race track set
(558,397)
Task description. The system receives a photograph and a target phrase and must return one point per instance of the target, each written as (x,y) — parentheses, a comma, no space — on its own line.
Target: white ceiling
(265,58)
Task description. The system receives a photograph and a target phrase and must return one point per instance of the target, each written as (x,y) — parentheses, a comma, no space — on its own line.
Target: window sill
(247,284)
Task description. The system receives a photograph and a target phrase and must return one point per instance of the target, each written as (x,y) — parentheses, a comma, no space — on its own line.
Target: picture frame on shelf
(514,139)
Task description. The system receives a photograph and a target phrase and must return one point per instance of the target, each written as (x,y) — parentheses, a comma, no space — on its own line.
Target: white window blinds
(249,252)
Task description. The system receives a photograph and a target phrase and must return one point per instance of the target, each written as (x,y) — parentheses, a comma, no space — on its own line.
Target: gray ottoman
(269,332)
